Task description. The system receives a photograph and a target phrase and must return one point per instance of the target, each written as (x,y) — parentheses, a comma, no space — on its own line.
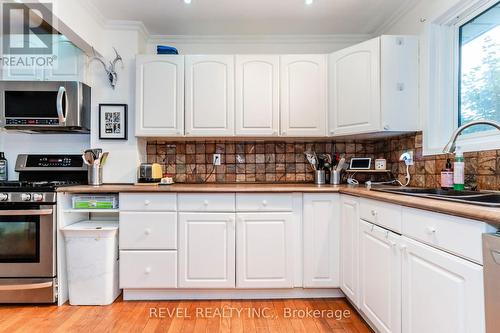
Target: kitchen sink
(481,198)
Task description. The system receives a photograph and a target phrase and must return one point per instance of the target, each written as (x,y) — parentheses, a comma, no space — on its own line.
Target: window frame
(439,99)
(472,141)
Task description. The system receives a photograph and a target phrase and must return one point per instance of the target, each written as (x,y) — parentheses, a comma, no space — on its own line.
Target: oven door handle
(26,212)
(61,112)
(11,287)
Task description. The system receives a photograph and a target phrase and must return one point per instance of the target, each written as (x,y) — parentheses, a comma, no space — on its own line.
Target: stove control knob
(37,197)
(4,196)
(25,197)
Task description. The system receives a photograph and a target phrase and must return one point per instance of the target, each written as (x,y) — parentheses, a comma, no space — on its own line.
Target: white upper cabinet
(159,95)
(303,95)
(374,86)
(209,95)
(257,95)
(321,240)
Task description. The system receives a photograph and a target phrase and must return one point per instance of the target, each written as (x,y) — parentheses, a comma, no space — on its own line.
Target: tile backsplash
(482,169)
(246,161)
(284,162)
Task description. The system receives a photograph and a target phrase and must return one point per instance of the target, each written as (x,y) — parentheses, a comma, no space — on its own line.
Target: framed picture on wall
(113,121)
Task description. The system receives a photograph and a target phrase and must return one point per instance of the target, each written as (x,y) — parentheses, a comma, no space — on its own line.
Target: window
(479,69)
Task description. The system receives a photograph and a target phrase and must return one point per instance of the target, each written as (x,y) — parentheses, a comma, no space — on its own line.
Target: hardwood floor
(325,315)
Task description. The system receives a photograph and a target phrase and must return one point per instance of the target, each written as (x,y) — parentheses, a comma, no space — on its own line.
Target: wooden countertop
(485,214)
(204,188)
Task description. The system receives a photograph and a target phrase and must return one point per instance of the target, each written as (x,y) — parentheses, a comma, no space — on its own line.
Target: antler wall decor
(110,69)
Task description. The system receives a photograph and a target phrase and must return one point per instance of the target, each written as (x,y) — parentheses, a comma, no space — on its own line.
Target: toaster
(150,173)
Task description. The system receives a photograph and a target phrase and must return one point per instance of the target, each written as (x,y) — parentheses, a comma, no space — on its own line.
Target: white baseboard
(193,294)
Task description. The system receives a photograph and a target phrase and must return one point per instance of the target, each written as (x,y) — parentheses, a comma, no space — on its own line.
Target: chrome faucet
(450,146)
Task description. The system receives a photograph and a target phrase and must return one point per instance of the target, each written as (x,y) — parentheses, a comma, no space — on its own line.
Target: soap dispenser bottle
(459,171)
(3,167)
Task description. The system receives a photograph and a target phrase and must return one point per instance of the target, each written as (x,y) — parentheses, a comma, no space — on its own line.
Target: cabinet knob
(403,248)
(147,202)
(147,231)
(431,230)
(275,133)
(147,270)
(264,203)
(283,133)
(374,212)
(332,132)
(205,203)
(387,127)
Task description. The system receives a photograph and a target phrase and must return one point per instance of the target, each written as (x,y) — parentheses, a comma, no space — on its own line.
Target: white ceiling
(240,17)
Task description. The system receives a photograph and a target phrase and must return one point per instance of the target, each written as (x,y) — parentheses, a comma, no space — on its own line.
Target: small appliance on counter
(150,173)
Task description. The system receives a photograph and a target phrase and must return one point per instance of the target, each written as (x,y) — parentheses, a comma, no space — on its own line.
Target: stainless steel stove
(28,272)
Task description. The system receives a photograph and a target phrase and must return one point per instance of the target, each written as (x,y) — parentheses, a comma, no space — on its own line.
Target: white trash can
(92,262)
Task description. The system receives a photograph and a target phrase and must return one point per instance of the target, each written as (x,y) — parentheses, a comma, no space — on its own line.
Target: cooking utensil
(104,157)
(312,158)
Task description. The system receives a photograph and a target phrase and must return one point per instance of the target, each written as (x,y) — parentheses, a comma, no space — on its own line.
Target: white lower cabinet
(206,250)
(442,293)
(349,263)
(148,269)
(264,251)
(380,277)
(321,220)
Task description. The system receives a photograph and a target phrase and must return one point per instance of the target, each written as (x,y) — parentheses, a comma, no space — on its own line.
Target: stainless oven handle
(61,114)
(11,287)
(26,212)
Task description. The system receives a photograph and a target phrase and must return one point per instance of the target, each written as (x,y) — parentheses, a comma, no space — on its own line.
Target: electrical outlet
(216,159)
(410,160)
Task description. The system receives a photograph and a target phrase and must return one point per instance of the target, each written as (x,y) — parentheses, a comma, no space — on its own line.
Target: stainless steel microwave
(45,106)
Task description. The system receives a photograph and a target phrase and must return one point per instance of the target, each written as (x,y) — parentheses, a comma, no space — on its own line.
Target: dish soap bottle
(3,167)
(459,170)
(447,176)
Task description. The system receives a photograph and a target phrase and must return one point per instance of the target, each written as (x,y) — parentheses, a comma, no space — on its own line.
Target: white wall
(273,44)
(123,159)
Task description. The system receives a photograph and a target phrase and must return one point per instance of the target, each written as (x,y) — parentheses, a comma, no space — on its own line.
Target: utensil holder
(335,177)
(319,177)
(94,173)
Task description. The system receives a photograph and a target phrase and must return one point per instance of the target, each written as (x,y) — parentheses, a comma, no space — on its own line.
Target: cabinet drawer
(453,234)
(148,201)
(206,203)
(264,202)
(381,213)
(148,230)
(148,269)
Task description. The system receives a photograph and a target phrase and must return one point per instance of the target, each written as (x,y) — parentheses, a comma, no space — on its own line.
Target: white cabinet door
(349,226)
(159,95)
(442,293)
(22,72)
(380,277)
(210,95)
(355,89)
(321,220)
(69,64)
(264,254)
(303,95)
(257,95)
(206,250)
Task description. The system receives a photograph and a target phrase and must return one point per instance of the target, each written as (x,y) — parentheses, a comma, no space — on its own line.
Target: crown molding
(94,12)
(395,17)
(128,26)
(261,39)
